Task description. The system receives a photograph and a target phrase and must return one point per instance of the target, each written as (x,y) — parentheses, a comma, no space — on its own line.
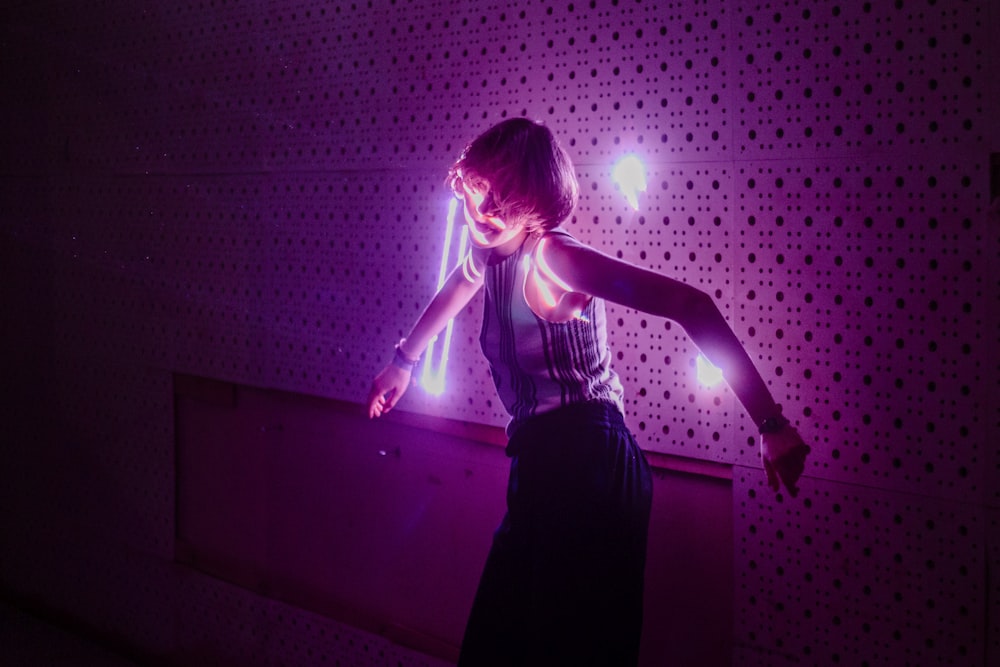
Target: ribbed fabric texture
(538,366)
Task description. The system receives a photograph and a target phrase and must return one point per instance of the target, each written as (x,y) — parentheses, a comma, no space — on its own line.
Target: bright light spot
(436,361)
(432,377)
(548,295)
(708,375)
(473,202)
(543,266)
(629,175)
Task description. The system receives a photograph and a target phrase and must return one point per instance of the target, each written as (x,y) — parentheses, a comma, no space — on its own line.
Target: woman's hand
(387,388)
(784,455)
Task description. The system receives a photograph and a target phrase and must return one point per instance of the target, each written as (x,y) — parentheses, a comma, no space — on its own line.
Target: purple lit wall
(252,192)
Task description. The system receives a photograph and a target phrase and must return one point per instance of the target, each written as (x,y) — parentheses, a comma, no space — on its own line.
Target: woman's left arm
(592,272)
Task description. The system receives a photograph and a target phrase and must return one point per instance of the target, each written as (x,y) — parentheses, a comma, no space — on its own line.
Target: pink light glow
(469,269)
(708,374)
(478,219)
(432,377)
(629,175)
(549,296)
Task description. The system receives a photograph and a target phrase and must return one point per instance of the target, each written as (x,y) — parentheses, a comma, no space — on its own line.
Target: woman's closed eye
(481,196)
(488,204)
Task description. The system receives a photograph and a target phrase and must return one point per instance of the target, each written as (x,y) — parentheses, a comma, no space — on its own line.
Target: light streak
(547,271)
(541,287)
(432,376)
(542,277)
(629,175)
(469,270)
(473,200)
(558,301)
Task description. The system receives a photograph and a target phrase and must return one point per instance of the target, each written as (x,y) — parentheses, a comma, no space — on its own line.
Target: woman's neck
(509,247)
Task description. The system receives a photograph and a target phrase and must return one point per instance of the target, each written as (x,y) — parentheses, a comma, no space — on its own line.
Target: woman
(564,579)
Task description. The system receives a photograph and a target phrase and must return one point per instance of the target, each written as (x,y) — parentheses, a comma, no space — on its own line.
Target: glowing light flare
(478,235)
(543,266)
(469,269)
(709,375)
(432,376)
(449,232)
(540,286)
(629,174)
(549,296)
(474,213)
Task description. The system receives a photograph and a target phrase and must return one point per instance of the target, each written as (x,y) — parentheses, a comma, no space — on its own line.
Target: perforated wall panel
(858,576)
(252,191)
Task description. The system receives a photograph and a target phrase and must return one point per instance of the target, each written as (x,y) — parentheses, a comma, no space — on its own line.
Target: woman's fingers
(375,407)
(772,476)
(788,468)
(382,399)
(377,401)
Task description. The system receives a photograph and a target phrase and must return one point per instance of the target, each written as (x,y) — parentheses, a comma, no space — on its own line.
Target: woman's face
(482,215)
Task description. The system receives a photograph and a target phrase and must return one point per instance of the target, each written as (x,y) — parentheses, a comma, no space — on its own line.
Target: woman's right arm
(590,271)
(456,292)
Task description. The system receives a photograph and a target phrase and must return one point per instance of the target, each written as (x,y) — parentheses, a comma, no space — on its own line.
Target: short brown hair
(530,174)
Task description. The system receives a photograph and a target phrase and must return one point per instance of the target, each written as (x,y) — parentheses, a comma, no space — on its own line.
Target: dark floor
(27,641)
